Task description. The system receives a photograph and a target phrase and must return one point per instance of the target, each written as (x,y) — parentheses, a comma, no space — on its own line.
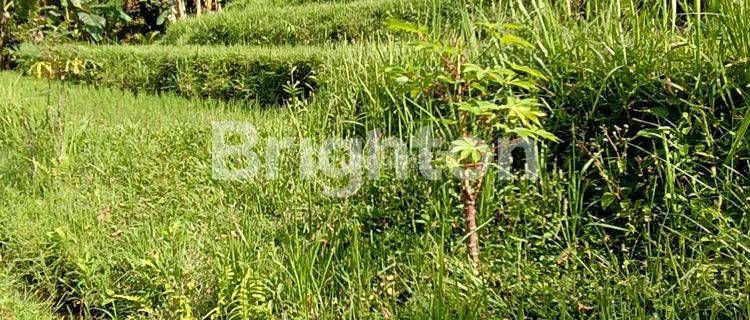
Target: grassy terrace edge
(228,73)
(153,134)
(310,23)
(17,303)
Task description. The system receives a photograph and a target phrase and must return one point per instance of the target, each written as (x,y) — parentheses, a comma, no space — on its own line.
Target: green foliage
(474,102)
(84,20)
(487,102)
(130,224)
(6,32)
(150,19)
(13,13)
(108,208)
(235,4)
(17,302)
(222,73)
(249,3)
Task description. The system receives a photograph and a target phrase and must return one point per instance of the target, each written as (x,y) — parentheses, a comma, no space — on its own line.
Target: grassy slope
(246,3)
(133,178)
(18,304)
(310,23)
(130,222)
(246,73)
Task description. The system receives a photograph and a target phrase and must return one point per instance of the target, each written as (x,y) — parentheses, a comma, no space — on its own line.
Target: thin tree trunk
(470,214)
(180,10)
(198,7)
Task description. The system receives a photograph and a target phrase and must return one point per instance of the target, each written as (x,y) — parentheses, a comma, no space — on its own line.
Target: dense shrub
(223,73)
(653,118)
(148,16)
(13,13)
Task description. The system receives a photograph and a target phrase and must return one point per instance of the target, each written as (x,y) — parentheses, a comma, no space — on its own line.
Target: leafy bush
(653,118)
(12,14)
(88,20)
(149,17)
(479,103)
(223,73)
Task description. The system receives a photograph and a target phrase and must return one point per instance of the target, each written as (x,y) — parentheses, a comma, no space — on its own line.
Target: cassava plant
(482,93)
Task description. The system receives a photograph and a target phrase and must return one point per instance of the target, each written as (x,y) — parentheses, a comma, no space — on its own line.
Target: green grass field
(16,302)
(317,22)
(109,209)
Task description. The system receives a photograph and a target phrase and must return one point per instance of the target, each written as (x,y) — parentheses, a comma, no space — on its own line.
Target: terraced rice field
(110,207)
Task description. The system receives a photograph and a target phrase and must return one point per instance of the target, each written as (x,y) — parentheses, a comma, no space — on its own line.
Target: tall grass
(18,302)
(652,108)
(228,73)
(310,23)
(640,213)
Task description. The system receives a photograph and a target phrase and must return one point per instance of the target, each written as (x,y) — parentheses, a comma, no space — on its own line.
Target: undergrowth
(640,211)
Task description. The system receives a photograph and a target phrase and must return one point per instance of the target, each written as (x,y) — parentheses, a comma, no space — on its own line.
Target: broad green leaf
(515,40)
(533,133)
(523,84)
(476,156)
(652,133)
(461,144)
(470,67)
(406,26)
(529,70)
(444,78)
(607,199)
(124,16)
(469,107)
(546,135)
(478,86)
(92,20)
(487,106)
(479,108)
(522,132)
(502,71)
(469,149)
(465,154)
(163,16)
